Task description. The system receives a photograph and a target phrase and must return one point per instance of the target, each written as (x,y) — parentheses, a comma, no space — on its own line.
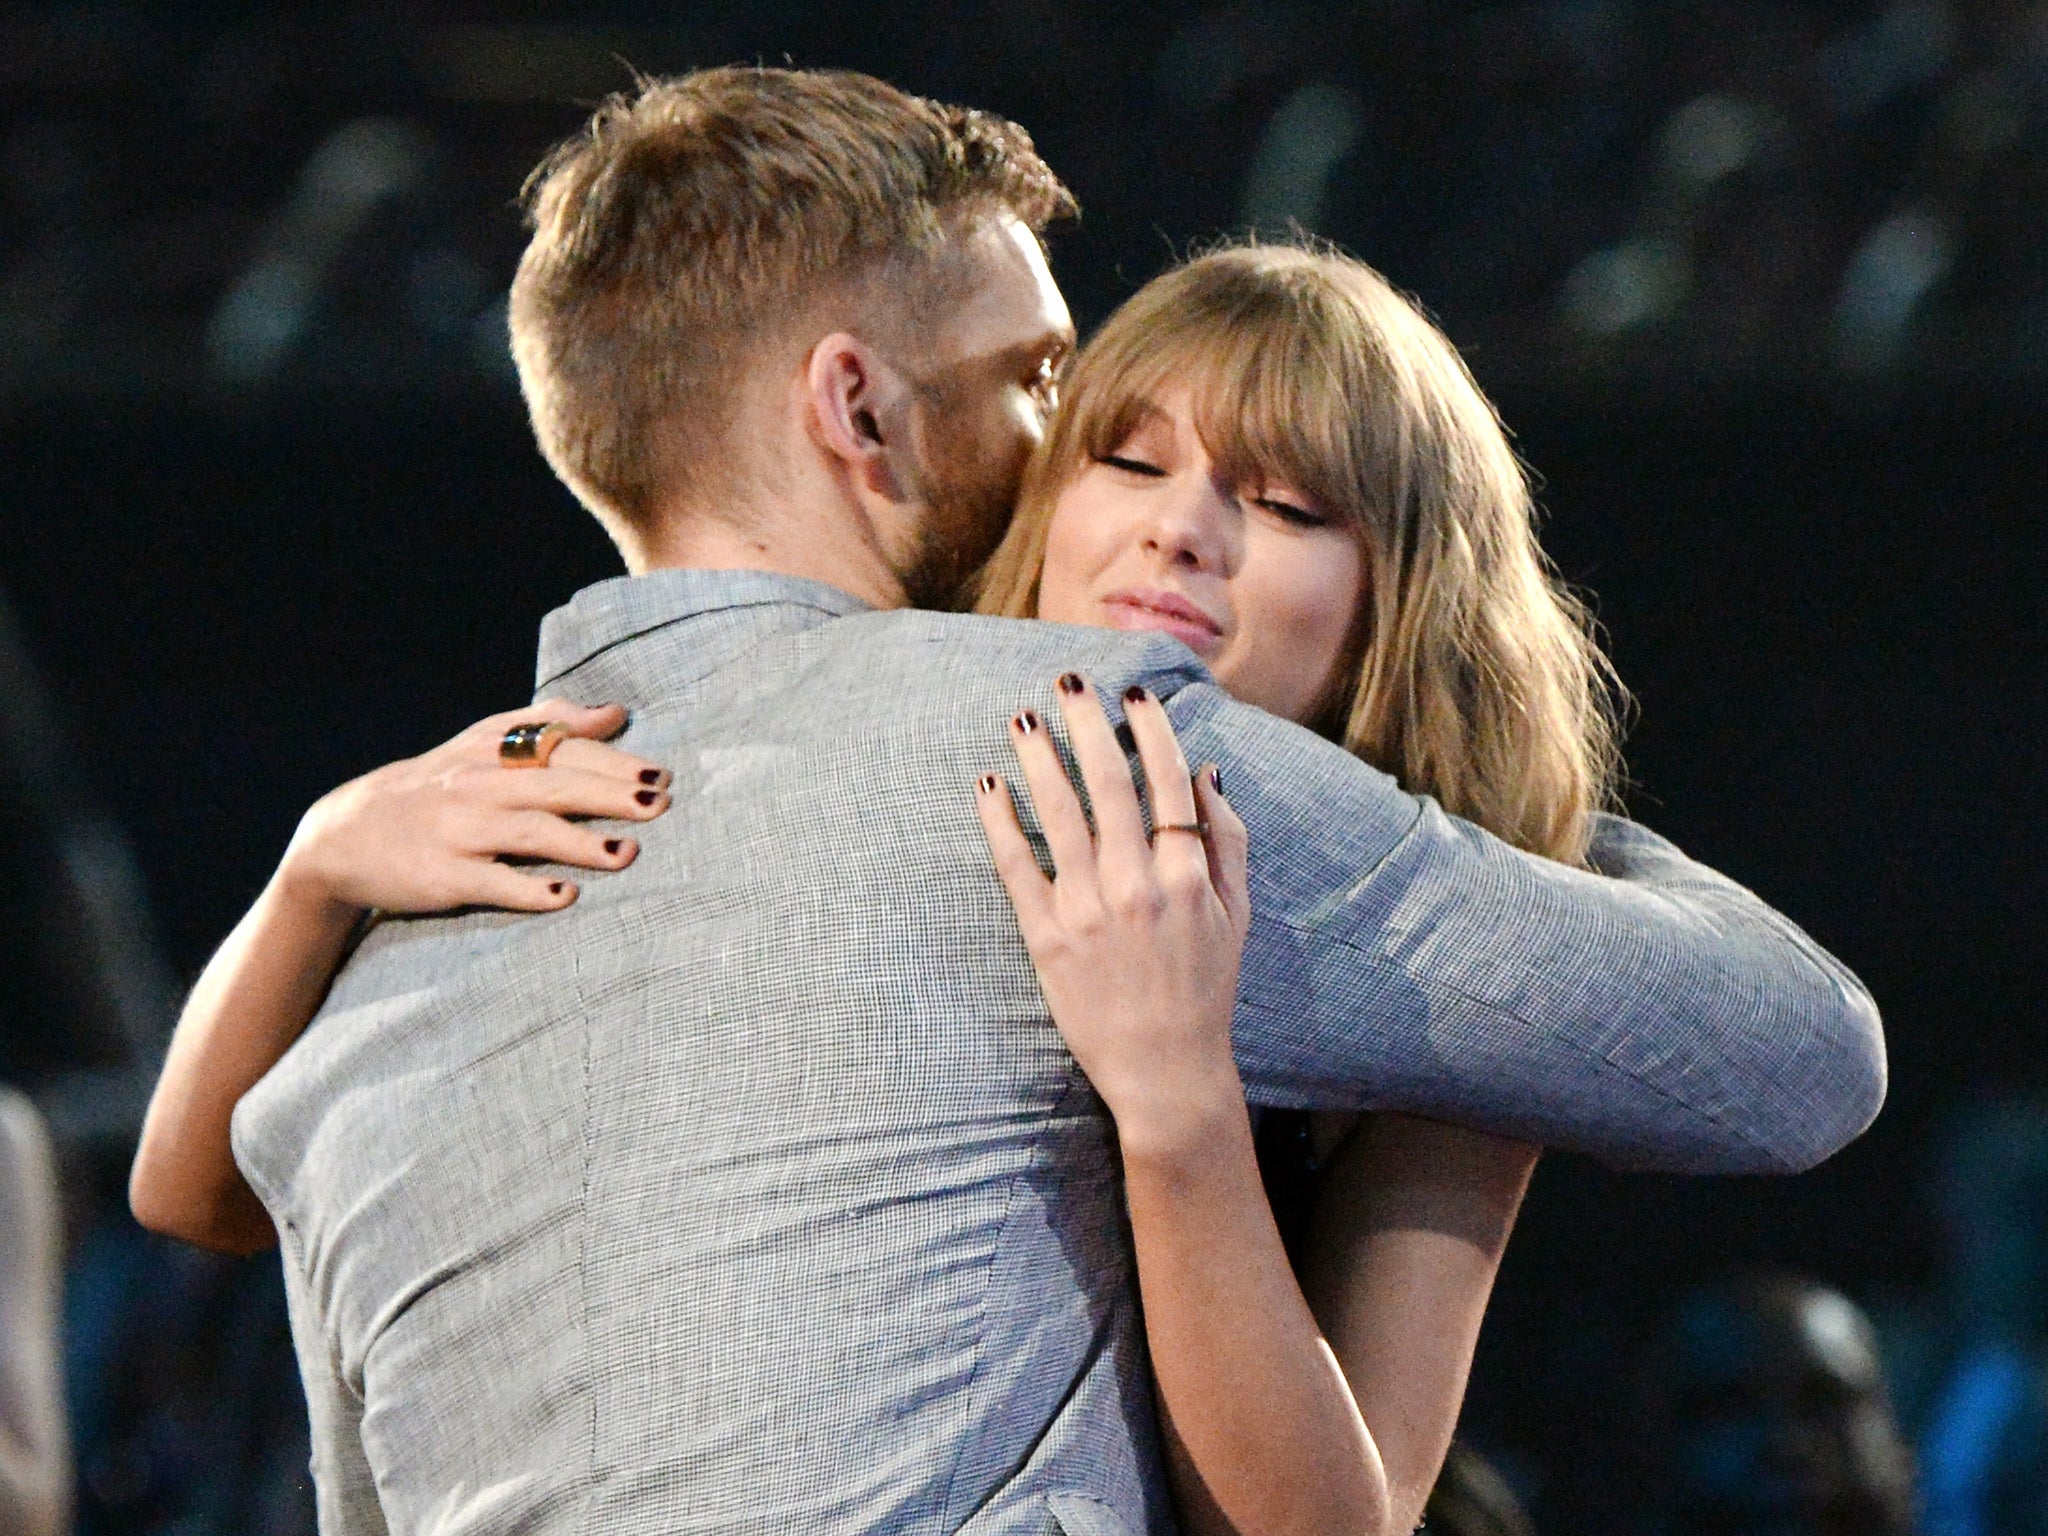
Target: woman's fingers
(1053,798)
(1229,847)
(1112,796)
(545,836)
(1182,856)
(598,722)
(572,792)
(588,756)
(1030,892)
(490,884)
(1166,768)
(589,727)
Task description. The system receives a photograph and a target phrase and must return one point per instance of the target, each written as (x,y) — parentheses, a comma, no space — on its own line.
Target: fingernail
(1026,722)
(554,887)
(612,845)
(650,775)
(646,796)
(986,783)
(1070,682)
(1215,779)
(1136,694)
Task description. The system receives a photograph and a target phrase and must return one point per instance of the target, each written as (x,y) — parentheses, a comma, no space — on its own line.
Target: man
(756,1190)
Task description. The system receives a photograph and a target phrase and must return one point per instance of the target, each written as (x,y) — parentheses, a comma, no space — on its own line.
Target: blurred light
(1839,1337)
(1305,140)
(1627,286)
(1711,137)
(1905,46)
(358,169)
(1888,278)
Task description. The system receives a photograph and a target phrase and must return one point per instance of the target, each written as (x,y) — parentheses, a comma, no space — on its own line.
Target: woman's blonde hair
(1477,677)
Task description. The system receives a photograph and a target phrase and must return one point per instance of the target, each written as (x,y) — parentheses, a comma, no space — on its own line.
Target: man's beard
(968,495)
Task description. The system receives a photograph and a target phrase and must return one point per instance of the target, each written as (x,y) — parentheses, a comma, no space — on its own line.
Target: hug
(756,1087)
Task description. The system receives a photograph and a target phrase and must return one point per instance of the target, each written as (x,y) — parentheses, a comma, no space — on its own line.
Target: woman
(1270,454)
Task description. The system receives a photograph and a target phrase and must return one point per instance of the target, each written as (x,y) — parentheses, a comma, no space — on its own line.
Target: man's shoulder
(949,645)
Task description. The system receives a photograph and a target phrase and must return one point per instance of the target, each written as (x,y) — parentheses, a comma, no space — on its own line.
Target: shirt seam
(947,1520)
(678,618)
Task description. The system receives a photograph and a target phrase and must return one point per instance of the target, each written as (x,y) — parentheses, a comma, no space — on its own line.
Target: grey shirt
(756,1190)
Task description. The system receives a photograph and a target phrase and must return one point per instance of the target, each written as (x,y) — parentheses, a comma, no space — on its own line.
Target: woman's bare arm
(1403,1247)
(1262,1431)
(1136,944)
(422,835)
(257,993)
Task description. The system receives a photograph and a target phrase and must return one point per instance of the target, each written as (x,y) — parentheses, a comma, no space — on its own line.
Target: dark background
(1761,289)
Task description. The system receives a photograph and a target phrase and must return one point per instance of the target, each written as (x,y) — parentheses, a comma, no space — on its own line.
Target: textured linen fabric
(757,1192)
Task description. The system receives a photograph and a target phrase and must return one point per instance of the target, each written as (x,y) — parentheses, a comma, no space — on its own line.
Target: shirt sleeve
(1654,1014)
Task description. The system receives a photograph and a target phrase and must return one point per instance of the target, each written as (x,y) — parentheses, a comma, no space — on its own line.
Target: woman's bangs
(1274,410)
(1116,405)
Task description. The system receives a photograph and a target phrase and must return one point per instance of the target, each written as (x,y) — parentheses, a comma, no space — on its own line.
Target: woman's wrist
(302,892)
(1181,1123)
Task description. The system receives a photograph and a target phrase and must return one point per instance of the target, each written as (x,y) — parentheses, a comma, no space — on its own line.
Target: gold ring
(1199,828)
(530,746)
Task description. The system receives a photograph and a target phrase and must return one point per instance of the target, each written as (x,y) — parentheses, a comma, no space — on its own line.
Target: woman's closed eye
(1295,513)
(1131,465)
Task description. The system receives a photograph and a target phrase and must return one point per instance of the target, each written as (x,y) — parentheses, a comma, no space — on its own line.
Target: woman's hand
(426,834)
(422,835)
(1137,945)
(1137,941)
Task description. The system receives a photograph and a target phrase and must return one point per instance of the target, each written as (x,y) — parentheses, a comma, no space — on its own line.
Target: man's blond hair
(693,221)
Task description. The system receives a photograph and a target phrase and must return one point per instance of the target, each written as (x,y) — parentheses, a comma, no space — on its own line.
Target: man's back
(755,1190)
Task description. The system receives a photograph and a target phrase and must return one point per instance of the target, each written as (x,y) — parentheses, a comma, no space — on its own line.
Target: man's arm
(1656,1015)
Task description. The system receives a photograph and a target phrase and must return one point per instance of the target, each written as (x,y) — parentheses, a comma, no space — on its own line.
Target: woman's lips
(1167,612)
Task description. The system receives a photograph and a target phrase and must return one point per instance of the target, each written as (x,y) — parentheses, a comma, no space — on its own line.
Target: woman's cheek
(1061,583)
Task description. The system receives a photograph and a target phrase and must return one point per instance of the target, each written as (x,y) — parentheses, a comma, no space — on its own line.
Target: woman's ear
(851,391)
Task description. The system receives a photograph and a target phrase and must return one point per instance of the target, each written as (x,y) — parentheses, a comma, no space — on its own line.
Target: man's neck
(818,547)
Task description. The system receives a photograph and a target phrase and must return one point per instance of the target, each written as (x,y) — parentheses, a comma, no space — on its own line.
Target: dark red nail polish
(555,888)
(650,775)
(1026,722)
(1136,694)
(1215,779)
(986,783)
(1070,682)
(646,797)
(612,845)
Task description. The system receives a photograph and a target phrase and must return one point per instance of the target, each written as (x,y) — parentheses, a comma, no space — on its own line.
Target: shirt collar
(617,610)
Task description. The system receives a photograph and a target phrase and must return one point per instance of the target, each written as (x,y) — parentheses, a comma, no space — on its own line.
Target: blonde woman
(1270,454)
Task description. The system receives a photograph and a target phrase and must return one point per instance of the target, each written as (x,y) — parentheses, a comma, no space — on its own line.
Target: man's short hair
(678,237)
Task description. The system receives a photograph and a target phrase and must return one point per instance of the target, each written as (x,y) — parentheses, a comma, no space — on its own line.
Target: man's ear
(852,392)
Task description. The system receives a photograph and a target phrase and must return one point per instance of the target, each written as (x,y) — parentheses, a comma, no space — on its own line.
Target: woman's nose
(1194,525)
